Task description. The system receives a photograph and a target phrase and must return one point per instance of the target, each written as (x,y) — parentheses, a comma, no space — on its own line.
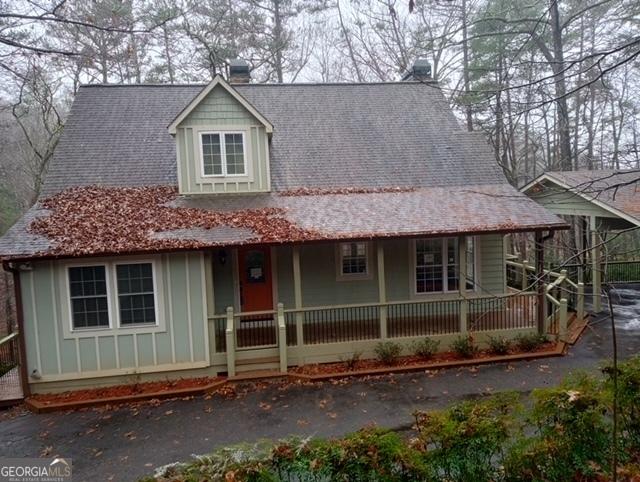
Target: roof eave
(606,206)
(351,238)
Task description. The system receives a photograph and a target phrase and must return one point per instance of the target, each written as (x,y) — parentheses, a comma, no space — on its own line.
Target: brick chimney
(239,72)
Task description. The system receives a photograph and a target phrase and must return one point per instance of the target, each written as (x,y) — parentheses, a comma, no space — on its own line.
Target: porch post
(382,289)
(462,282)
(297,294)
(282,338)
(580,300)
(596,273)
(231,345)
(562,321)
(542,302)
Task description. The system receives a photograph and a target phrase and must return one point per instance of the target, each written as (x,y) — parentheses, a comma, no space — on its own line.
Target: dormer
(222,143)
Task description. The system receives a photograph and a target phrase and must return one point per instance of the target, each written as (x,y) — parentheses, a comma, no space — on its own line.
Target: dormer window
(223,154)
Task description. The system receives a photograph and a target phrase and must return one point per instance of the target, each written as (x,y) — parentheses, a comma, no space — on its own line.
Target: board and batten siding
(219,111)
(321,286)
(180,341)
(559,201)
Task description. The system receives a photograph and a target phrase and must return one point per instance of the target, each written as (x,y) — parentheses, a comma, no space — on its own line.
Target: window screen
(88,297)
(135,293)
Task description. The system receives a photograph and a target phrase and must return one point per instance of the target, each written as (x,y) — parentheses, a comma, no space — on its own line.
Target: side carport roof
(605,194)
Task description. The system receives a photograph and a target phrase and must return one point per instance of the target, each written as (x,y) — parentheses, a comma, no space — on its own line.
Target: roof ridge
(284,84)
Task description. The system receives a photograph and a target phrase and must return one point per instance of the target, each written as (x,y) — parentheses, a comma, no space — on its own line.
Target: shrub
(425,348)
(466,441)
(571,439)
(464,347)
(499,345)
(530,341)
(352,361)
(388,352)
(628,397)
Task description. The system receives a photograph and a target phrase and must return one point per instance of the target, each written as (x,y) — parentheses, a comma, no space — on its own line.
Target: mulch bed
(124,392)
(411,360)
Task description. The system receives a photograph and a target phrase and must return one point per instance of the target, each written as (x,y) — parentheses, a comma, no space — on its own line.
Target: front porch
(287,335)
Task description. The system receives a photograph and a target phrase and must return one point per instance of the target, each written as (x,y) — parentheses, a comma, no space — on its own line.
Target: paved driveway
(126,443)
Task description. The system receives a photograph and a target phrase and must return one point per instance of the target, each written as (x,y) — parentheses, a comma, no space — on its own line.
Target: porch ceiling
(100,221)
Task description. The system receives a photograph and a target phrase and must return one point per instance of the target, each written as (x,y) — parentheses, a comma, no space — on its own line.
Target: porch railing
(562,294)
(10,383)
(373,321)
(612,271)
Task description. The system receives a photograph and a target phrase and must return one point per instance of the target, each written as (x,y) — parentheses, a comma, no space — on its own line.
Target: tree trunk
(465,66)
(564,136)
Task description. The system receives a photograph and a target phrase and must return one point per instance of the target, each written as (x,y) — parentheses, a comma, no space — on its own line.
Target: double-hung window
(223,154)
(353,260)
(88,297)
(135,295)
(437,267)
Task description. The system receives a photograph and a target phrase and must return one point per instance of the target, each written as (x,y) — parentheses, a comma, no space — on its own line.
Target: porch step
(257,361)
(256,375)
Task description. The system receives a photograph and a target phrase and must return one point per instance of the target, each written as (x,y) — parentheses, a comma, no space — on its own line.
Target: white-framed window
(126,291)
(436,267)
(223,153)
(88,297)
(352,260)
(135,284)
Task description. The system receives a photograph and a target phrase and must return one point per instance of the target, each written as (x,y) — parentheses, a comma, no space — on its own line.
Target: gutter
(24,375)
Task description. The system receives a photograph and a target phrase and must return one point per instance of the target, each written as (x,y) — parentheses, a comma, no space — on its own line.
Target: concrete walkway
(127,443)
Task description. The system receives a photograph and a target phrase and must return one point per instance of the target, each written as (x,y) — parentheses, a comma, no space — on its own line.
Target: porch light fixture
(222,257)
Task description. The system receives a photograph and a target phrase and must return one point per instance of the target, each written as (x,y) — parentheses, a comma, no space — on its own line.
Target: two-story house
(188,230)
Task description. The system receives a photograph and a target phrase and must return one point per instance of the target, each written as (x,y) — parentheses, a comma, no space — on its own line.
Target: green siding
(220,111)
(43,293)
(30,332)
(55,352)
(178,270)
(107,352)
(319,283)
(559,201)
(88,355)
(491,264)
(284,274)
(397,269)
(126,351)
(223,289)
(220,107)
(145,349)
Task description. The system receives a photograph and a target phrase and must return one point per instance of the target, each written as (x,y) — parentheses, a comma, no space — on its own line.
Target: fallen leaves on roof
(316,191)
(92,220)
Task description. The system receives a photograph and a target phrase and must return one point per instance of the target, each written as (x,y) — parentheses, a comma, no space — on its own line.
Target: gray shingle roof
(436,211)
(325,135)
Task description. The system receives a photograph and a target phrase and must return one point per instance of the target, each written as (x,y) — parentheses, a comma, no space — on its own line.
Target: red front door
(254,264)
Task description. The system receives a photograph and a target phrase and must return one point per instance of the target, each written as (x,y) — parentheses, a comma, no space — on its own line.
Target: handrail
(254,313)
(407,302)
(528,267)
(552,299)
(8,338)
